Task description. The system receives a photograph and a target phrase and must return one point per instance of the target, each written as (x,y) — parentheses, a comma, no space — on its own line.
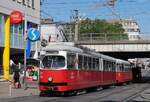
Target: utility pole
(111,3)
(76,19)
(70,31)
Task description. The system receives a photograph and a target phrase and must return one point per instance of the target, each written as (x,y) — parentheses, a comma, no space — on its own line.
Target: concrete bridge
(120,49)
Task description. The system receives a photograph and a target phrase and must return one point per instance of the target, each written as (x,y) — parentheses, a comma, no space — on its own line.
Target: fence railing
(102,37)
(92,37)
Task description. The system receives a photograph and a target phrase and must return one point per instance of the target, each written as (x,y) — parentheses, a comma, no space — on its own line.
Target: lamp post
(25,39)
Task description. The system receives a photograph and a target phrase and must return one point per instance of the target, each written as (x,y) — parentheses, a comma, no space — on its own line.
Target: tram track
(126,93)
(119,92)
(103,94)
(130,98)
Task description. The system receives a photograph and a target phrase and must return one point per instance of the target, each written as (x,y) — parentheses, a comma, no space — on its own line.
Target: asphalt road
(125,93)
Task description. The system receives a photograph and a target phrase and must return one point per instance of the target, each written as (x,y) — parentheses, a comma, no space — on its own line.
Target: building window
(19,1)
(17,29)
(29,3)
(1,24)
(33,4)
(24,2)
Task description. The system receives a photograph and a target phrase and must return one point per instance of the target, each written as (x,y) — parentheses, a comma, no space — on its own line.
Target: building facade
(52,31)
(131,27)
(30,10)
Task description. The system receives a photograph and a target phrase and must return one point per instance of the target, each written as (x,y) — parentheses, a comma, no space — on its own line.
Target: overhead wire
(58,5)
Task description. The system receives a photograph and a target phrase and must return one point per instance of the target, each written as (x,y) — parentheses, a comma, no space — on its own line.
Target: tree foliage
(99,26)
(102,27)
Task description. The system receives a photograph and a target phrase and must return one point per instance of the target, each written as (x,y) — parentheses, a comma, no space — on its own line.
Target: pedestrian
(35,74)
(11,63)
(16,73)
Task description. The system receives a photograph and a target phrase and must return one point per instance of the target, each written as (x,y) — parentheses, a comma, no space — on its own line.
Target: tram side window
(109,66)
(104,65)
(80,60)
(71,60)
(114,66)
(89,63)
(97,64)
(126,67)
(85,63)
(120,67)
(94,63)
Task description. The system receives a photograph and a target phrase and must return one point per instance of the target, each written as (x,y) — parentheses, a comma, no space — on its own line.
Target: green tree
(113,30)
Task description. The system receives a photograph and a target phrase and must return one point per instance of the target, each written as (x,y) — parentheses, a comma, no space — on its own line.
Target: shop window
(11,29)
(0,23)
(16,29)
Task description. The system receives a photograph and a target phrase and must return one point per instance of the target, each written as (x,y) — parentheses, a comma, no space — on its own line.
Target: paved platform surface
(8,91)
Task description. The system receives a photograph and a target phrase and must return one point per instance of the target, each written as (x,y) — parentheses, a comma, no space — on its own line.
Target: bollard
(10,91)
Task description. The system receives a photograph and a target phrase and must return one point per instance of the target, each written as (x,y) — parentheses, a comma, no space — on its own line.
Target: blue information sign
(33,34)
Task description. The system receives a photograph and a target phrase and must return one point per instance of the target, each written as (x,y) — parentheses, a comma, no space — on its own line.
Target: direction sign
(33,34)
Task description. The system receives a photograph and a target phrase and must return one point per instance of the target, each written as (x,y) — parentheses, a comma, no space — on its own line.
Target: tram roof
(122,61)
(62,47)
(107,57)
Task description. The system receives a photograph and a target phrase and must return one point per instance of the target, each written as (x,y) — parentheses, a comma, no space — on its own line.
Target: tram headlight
(50,79)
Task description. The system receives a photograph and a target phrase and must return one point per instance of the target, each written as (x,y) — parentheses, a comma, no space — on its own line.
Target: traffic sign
(33,34)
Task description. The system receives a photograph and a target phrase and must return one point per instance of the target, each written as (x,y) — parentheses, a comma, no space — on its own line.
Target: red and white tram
(123,71)
(69,69)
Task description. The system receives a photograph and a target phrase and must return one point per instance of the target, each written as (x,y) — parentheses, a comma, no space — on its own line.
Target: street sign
(16,17)
(33,34)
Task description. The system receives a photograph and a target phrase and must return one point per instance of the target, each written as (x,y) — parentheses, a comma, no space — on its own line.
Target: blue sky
(61,10)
